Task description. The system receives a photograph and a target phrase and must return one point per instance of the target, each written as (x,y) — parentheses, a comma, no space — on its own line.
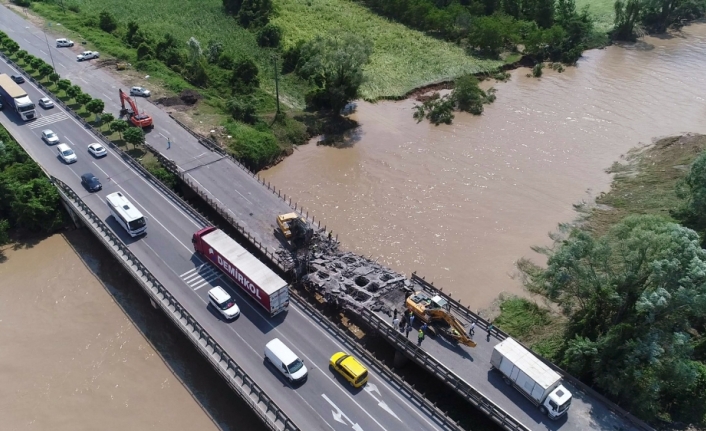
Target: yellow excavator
(295,229)
(434,312)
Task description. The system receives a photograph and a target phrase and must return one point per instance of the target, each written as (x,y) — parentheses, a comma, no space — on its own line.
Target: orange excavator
(434,312)
(136,118)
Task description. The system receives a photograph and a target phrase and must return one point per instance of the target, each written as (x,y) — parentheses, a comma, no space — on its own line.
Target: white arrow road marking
(370,388)
(338,415)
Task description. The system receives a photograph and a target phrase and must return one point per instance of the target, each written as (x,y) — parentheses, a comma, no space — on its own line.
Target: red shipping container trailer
(251,275)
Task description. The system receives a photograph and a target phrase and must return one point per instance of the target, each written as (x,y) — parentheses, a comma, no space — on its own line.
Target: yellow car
(349,368)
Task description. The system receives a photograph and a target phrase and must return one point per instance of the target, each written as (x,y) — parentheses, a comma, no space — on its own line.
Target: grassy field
(602,10)
(403,59)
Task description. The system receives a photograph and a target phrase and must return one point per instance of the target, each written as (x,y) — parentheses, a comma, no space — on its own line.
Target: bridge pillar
(74,217)
(400,359)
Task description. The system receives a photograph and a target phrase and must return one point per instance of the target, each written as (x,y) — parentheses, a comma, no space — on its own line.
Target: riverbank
(83,348)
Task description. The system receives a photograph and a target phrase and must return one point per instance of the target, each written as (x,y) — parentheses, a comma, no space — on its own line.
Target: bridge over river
(177,281)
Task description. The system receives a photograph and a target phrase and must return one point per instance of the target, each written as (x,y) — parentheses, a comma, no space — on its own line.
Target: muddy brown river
(460,204)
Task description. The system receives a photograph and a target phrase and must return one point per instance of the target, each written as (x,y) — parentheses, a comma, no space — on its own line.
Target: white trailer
(532,377)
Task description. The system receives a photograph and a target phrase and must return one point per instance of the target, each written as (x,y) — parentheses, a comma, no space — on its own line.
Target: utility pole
(274,58)
(49,49)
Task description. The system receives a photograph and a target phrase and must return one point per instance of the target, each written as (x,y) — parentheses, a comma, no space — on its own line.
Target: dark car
(18,78)
(90,182)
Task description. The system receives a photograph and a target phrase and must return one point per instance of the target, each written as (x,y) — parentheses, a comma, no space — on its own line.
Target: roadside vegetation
(28,201)
(633,18)
(628,284)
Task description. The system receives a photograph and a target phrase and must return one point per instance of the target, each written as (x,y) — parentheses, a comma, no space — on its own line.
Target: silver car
(50,137)
(46,103)
(140,91)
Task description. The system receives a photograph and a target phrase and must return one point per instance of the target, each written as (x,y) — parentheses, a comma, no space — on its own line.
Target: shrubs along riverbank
(628,282)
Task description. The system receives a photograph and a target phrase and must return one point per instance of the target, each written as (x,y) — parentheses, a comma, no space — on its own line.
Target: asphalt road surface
(324,401)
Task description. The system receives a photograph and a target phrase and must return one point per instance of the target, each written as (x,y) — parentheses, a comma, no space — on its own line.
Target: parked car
(87,55)
(46,103)
(63,42)
(224,303)
(349,367)
(90,182)
(18,78)
(97,150)
(66,153)
(50,137)
(140,91)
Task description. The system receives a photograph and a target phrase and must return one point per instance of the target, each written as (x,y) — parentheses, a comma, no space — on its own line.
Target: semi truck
(252,276)
(17,98)
(532,377)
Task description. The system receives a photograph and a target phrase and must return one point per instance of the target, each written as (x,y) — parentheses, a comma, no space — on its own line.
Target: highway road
(250,203)
(324,401)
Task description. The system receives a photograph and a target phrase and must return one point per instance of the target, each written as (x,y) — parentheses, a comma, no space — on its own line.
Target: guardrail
(501,335)
(428,362)
(249,391)
(421,402)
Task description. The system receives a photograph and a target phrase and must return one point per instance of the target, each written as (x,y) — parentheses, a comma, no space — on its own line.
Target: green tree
(493,33)
(107,118)
(232,6)
(134,136)
(242,109)
(335,65)
(168,50)
(214,49)
(107,22)
(36,63)
(269,36)
(54,77)
(145,52)
(119,126)
(469,97)
(4,228)
(83,99)
(73,92)
(64,85)
(255,149)
(244,78)
(255,13)
(95,106)
(21,54)
(45,70)
(632,298)
(693,190)
(627,15)
(511,8)
(10,46)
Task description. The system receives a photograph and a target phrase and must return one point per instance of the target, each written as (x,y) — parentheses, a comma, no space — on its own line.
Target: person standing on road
(490,329)
(472,330)
(394,313)
(408,329)
(411,319)
(169,143)
(420,337)
(396,322)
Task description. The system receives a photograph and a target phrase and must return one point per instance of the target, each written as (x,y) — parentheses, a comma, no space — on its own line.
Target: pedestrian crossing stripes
(200,276)
(49,119)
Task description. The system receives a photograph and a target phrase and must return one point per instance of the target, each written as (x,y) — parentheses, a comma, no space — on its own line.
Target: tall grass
(602,10)
(402,60)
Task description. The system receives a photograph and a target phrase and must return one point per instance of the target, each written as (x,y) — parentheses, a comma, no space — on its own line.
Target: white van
(286,361)
(66,153)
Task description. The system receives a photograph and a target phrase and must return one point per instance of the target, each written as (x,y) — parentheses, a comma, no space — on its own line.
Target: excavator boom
(137,118)
(458,332)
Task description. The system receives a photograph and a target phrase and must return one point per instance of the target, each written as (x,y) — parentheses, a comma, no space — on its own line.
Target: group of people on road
(405,323)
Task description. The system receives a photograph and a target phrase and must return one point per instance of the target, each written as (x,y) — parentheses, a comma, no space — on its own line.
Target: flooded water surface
(81,352)
(460,204)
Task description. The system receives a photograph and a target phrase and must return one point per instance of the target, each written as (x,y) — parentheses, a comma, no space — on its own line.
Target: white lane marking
(83,80)
(71,142)
(122,161)
(338,415)
(163,135)
(192,270)
(200,285)
(336,342)
(43,52)
(49,119)
(106,95)
(235,190)
(165,131)
(145,210)
(61,65)
(370,388)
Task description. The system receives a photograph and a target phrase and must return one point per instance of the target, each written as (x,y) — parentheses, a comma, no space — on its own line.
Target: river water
(82,349)
(460,204)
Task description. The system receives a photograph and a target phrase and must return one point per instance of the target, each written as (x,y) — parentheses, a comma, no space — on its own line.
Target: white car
(87,55)
(97,150)
(46,103)
(63,42)
(223,302)
(140,91)
(50,137)
(66,153)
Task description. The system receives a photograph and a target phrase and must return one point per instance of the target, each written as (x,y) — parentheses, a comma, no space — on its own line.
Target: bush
(290,58)
(166,177)
(253,148)
(22,3)
(242,109)
(73,7)
(107,22)
(537,70)
(144,52)
(244,79)
(269,36)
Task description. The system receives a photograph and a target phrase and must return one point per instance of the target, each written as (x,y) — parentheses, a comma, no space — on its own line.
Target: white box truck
(17,98)
(532,377)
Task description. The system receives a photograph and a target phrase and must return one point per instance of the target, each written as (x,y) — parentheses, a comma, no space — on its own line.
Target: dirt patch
(187,97)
